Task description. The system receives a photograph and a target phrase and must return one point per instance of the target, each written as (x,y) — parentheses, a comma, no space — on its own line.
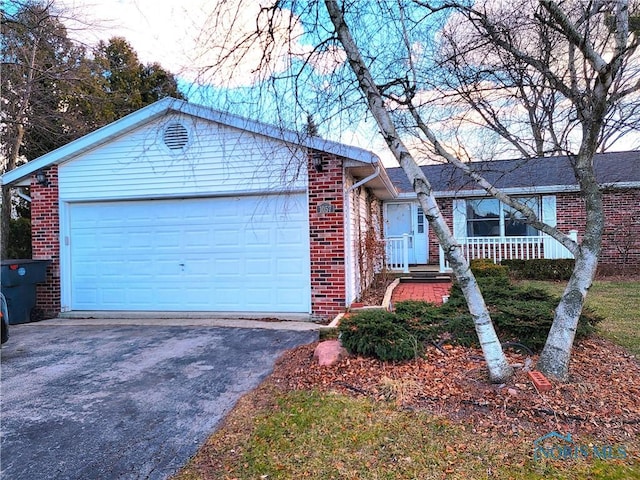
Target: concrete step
(426,277)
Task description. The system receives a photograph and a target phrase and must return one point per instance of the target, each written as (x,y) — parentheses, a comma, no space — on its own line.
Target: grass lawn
(326,436)
(311,434)
(619,303)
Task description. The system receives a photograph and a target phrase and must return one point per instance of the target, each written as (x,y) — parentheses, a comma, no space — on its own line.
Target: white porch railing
(495,248)
(510,248)
(397,253)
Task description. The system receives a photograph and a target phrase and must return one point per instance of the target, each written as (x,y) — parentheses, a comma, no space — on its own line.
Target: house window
(420,222)
(488,217)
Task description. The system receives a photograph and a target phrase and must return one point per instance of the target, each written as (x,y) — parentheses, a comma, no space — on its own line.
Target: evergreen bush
(380,334)
(19,238)
(520,314)
(485,267)
(540,268)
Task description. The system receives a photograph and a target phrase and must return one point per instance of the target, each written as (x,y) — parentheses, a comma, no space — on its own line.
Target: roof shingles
(613,167)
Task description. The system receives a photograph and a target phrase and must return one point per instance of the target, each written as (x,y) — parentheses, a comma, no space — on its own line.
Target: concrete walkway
(195,321)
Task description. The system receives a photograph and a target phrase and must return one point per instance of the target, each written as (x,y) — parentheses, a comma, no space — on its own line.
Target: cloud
(181,36)
(212,42)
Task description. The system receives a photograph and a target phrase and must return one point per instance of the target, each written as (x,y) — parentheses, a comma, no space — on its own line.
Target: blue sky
(172,33)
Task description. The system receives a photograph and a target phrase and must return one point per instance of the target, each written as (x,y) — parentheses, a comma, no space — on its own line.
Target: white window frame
(545,205)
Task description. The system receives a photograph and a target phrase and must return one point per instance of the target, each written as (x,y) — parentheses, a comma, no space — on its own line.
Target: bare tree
(566,78)
(35,54)
(53,91)
(541,77)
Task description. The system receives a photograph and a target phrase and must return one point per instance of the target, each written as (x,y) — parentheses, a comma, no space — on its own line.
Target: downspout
(364,180)
(348,240)
(347,246)
(23,195)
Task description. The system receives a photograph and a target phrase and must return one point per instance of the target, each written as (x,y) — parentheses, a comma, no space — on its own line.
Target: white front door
(408,218)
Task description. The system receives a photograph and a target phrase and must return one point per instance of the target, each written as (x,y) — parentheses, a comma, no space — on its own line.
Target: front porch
(398,250)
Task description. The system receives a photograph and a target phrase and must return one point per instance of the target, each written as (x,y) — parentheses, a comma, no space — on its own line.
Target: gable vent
(176,136)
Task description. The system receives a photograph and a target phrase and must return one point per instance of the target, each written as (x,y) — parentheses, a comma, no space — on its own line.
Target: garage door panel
(196,239)
(229,238)
(224,254)
(289,267)
(226,268)
(259,266)
(288,296)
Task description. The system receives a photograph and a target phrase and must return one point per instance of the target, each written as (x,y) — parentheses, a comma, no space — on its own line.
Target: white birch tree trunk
(498,367)
(556,355)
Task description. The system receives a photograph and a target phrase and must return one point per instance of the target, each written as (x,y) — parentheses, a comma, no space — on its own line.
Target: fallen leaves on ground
(602,398)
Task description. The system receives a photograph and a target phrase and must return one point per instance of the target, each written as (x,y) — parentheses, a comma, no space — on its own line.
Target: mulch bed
(601,400)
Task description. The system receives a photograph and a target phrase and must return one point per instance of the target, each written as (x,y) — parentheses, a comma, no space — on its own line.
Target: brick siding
(621,240)
(446,208)
(327,235)
(45,240)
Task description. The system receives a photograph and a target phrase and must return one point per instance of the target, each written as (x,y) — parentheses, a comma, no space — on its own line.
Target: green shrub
(19,238)
(485,267)
(520,314)
(540,269)
(416,309)
(380,334)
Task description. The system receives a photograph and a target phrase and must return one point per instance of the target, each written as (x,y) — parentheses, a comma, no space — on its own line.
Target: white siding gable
(217,160)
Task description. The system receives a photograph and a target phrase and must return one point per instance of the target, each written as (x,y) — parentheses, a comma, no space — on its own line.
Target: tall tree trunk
(499,368)
(556,355)
(15,144)
(5,212)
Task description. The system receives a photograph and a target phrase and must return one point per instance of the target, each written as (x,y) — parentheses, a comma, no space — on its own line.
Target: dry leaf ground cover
(433,417)
(602,398)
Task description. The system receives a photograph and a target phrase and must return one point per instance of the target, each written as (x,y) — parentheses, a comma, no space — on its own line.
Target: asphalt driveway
(123,402)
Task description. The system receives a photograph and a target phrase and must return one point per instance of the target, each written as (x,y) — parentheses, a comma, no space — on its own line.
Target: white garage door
(219,254)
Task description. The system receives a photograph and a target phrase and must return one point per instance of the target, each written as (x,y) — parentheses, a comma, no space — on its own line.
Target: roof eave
(381,185)
(90,141)
(541,190)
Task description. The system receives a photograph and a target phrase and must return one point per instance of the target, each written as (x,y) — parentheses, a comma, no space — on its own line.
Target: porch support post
(405,253)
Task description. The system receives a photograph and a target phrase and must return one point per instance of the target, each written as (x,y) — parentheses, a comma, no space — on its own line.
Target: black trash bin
(18,280)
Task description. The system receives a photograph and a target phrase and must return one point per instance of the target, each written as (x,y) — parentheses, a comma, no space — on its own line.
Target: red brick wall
(45,238)
(327,236)
(621,240)
(446,207)
(570,212)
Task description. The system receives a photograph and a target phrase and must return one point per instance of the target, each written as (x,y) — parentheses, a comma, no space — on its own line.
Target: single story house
(181,208)
(488,229)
